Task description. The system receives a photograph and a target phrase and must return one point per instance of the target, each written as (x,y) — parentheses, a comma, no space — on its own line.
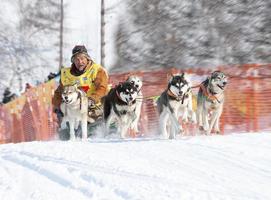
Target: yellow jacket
(94,81)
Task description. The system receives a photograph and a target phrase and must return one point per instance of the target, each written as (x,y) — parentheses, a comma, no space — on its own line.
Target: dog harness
(84,81)
(208,95)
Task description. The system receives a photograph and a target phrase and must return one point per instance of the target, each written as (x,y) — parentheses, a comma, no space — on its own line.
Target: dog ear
(127,76)
(209,78)
(170,77)
(120,84)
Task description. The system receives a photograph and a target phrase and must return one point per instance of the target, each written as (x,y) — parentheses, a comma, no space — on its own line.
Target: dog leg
(205,121)
(123,131)
(172,131)
(63,124)
(191,114)
(175,126)
(72,133)
(134,124)
(200,117)
(84,126)
(216,125)
(76,124)
(107,125)
(185,115)
(212,122)
(163,119)
(192,117)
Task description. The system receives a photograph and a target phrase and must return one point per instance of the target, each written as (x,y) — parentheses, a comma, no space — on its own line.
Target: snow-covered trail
(235,166)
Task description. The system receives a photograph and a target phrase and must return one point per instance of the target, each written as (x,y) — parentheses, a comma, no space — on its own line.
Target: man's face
(80,61)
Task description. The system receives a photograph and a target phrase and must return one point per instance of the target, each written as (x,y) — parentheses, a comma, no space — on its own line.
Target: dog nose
(224,83)
(66,98)
(130,98)
(180,93)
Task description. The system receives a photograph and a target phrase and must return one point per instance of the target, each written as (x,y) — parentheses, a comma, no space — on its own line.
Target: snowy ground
(235,166)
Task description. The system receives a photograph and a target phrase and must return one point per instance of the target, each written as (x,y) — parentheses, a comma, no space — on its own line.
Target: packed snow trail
(203,167)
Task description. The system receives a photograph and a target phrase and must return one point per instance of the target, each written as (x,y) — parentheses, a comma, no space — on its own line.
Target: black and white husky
(175,102)
(210,102)
(120,107)
(137,82)
(75,110)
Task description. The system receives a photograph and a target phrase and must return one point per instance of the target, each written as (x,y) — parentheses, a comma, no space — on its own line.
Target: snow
(235,166)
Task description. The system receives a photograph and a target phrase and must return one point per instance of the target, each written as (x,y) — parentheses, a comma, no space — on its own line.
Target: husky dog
(175,102)
(137,82)
(75,109)
(120,106)
(210,102)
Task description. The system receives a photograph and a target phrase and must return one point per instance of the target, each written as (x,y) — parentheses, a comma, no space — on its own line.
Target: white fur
(72,112)
(209,112)
(138,83)
(168,120)
(123,121)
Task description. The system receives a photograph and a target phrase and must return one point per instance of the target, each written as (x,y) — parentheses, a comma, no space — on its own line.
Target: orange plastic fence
(247,105)
(29,117)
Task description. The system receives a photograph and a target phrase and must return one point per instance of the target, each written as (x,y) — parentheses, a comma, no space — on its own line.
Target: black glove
(58,112)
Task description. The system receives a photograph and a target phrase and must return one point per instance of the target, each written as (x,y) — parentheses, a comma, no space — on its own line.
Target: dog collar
(171,94)
(177,98)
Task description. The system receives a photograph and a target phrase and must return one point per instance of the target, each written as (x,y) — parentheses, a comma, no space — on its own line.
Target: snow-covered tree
(27,36)
(197,33)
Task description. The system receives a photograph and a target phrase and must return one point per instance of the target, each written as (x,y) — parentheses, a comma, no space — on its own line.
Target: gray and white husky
(175,102)
(137,82)
(75,109)
(210,102)
(120,106)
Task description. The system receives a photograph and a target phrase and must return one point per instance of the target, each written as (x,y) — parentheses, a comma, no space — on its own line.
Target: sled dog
(210,102)
(120,107)
(175,102)
(137,82)
(75,109)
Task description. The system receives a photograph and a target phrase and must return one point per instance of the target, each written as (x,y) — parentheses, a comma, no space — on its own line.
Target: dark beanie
(79,49)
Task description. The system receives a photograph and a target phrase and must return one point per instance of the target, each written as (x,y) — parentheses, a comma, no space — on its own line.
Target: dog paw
(134,133)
